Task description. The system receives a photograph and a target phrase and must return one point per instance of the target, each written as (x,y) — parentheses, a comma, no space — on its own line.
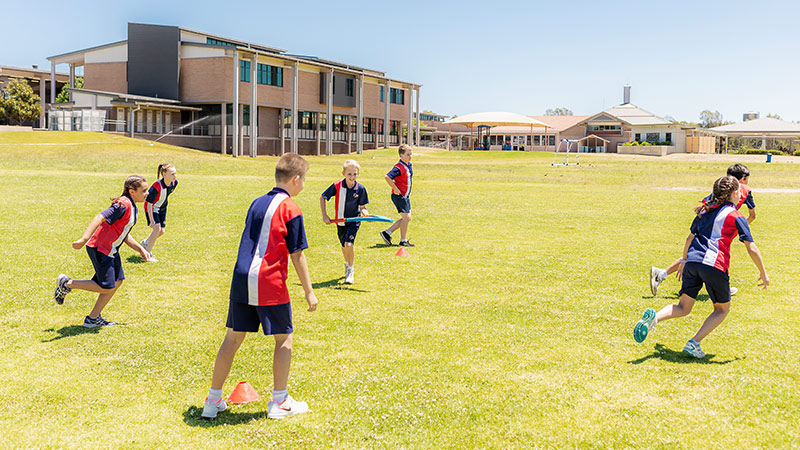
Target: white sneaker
(289,407)
(152,258)
(655,280)
(734,291)
(692,348)
(349,275)
(144,243)
(210,409)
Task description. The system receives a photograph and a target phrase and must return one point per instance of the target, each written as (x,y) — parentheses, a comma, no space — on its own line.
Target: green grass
(509,326)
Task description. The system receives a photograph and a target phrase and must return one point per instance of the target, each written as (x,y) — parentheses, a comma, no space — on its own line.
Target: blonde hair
(351,163)
(162,169)
(290,165)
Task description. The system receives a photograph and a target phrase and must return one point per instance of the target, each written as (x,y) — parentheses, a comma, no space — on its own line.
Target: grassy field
(509,326)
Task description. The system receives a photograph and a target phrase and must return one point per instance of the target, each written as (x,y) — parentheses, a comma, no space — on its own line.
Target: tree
(63,96)
(414,128)
(18,103)
(709,119)
(560,111)
(774,116)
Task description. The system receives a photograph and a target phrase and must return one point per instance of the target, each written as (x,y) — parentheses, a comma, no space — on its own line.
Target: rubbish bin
(769,157)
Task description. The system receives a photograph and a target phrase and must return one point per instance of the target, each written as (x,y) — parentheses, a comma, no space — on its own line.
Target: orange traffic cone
(243,393)
(402,252)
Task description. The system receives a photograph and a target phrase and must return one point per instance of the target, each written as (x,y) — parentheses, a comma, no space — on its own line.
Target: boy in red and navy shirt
(103,237)
(706,258)
(273,233)
(350,201)
(399,179)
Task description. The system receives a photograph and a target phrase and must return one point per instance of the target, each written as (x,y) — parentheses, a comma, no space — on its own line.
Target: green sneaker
(643,326)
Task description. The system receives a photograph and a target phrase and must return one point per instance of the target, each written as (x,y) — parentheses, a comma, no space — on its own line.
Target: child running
(155,206)
(351,201)
(742,174)
(103,237)
(706,257)
(273,233)
(399,179)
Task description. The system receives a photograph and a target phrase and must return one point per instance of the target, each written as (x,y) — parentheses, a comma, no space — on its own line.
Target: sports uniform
(156,201)
(401,174)
(347,203)
(103,246)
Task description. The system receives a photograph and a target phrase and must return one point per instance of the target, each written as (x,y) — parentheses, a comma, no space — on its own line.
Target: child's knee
(284,340)
(407,217)
(348,245)
(161,231)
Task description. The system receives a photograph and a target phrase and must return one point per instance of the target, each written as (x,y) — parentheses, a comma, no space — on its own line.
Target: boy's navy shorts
(403,204)
(717,282)
(274,319)
(107,269)
(347,232)
(159,217)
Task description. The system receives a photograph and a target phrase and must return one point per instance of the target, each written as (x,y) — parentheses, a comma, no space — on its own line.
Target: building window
(396,96)
(383,93)
(306,120)
(637,137)
(349,86)
(218,42)
(269,75)
(653,137)
(244,71)
(668,138)
(551,140)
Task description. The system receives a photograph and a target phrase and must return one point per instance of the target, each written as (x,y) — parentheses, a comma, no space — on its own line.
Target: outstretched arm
(131,242)
(93,225)
(752,216)
(300,266)
(323,207)
(755,255)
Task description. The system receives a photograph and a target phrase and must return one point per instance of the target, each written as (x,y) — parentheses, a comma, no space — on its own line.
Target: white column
(52,83)
(71,79)
(42,94)
(360,116)
(319,141)
(131,124)
(192,127)
(235,110)
(295,80)
(253,108)
(386,91)
(418,136)
(329,114)
(223,122)
(241,127)
(410,127)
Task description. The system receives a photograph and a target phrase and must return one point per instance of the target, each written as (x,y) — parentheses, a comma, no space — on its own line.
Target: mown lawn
(509,326)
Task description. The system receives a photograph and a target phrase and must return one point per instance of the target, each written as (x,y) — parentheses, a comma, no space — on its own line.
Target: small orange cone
(243,393)
(402,252)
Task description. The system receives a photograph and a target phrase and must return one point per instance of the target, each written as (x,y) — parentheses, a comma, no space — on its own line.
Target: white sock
(279,396)
(662,275)
(214,395)
(389,232)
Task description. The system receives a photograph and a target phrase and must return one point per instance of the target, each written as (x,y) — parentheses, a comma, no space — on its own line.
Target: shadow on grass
(675,296)
(135,259)
(381,246)
(334,284)
(192,417)
(69,331)
(663,353)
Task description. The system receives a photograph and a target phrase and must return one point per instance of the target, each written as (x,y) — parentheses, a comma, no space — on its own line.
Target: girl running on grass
(103,237)
(706,257)
(155,206)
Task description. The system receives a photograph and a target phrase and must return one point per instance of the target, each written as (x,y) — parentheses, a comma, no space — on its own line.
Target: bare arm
(686,245)
(323,207)
(93,225)
(752,216)
(390,181)
(363,209)
(755,255)
(131,242)
(300,266)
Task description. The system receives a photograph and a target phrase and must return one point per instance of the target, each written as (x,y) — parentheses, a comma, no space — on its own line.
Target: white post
(295,79)
(223,121)
(360,116)
(253,107)
(71,79)
(409,128)
(235,110)
(386,92)
(52,83)
(417,137)
(42,94)
(329,115)
(319,136)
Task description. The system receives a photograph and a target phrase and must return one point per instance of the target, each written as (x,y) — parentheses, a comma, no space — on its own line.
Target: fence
(78,120)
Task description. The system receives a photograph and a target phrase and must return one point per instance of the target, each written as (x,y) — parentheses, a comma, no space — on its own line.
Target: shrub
(796,153)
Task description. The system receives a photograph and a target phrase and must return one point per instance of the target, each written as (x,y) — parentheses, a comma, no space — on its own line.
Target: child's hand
(144,254)
(326,219)
(311,299)
(77,245)
(364,212)
(395,191)
(679,273)
(764,281)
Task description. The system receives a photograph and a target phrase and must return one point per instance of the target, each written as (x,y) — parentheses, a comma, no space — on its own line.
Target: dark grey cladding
(153,60)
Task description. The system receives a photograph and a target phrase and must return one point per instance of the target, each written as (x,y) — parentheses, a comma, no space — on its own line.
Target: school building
(193,87)
(44,83)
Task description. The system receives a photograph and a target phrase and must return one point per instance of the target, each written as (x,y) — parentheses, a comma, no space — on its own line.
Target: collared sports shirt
(714,231)
(157,195)
(120,217)
(401,173)
(347,200)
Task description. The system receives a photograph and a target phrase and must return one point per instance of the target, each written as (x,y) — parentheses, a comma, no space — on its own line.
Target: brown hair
(723,188)
(288,166)
(403,149)
(163,168)
(132,182)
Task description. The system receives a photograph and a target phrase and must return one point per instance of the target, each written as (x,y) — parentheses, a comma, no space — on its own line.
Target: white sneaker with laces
(692,348)
(734,291)
(152,258)
(349,275)
(655,279)
(288,407)
(211,408)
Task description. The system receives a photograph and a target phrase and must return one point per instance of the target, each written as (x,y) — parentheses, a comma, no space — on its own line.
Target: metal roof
(766,125)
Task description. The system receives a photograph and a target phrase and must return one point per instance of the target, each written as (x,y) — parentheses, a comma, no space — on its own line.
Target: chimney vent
(626,96)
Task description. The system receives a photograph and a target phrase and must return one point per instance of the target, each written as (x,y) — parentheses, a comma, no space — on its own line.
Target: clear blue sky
(680,57)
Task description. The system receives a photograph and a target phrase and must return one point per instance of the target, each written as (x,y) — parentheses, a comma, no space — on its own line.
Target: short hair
(403,149)
(290,165)
(351,163)
(739,171)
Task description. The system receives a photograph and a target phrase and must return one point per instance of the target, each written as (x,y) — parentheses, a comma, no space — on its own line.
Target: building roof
(633,115)
(496,119)
(31,72)
(560,123)
(766,125)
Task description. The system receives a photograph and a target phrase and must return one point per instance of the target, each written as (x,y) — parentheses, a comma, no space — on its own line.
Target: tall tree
(560,111)
(18,103)
(711,119)
(774,116)
(63,96)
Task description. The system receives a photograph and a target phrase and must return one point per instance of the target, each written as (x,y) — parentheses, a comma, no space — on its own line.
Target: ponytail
(163,168)
(132,182)
(723,188)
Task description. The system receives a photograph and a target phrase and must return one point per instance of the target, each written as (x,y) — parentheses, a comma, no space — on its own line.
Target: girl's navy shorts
(107,269)
(159,217)
(717,282)
(274,319)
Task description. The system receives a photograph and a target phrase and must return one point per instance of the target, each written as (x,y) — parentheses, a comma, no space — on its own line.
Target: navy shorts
(347,232)
(403,204)
(159,217)
(107,269)
(717,282)
(274,319)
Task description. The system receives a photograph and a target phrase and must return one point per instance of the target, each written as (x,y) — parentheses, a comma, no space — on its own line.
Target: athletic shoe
(734,291)
(349,275)
(152,258)
(645,325)
(386,237)
(405,243)
(210,408)
(654,280)
(61,289)
(144,243)
(288,407)
(98,321)
(692,348)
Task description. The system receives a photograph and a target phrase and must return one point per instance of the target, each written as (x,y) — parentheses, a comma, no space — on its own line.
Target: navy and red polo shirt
(347,199)
(401,173)
(273,230)
(714,231)
(120,217)
(157,196)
